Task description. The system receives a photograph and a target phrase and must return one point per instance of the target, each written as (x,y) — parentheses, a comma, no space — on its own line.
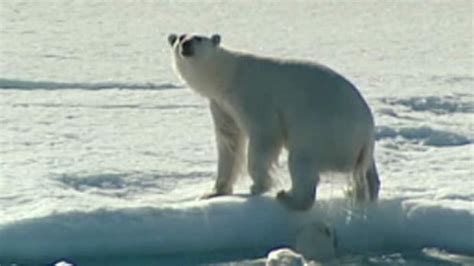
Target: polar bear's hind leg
(373,181)
(366,183)
(305,178)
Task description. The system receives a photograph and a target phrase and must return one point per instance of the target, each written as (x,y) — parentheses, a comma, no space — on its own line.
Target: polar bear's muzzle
(187,48)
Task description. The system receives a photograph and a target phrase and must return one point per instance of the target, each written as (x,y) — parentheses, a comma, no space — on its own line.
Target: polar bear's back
(309,84)
(320,109)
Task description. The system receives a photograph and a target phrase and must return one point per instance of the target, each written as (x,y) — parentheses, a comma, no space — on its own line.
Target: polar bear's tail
(366,183)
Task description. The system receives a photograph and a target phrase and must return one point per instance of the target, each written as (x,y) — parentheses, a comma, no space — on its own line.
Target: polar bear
(271,103)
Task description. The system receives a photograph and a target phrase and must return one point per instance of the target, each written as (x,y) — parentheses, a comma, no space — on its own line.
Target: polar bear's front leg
(230,145)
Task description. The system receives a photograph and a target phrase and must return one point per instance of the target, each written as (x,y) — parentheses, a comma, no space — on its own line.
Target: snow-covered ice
(103,151)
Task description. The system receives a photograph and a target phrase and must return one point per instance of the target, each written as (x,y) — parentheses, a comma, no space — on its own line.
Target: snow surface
(103,151)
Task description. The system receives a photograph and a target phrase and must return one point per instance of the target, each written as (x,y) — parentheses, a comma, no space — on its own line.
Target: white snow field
(104,151)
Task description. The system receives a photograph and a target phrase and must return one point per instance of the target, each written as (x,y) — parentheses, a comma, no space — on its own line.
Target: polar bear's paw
(260,188)
(291,202)
(214,194)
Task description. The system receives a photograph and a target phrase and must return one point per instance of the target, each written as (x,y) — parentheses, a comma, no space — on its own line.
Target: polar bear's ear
(216,39)
(172,38)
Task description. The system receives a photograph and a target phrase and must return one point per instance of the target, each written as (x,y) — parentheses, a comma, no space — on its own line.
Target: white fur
(314,112)
(284,257)
(315,242)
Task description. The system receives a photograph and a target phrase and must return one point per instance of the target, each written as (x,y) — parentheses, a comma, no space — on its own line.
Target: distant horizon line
(22,84)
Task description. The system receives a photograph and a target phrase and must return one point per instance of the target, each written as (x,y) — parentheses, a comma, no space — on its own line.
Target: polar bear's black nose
(186,48)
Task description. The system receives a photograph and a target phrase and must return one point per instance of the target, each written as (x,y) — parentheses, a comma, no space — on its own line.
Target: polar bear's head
(189,46)
(202,63)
